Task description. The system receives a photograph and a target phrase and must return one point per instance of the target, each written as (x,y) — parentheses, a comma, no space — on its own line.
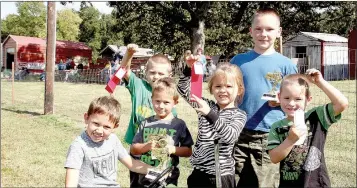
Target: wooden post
(281,44)
(50,57)
(13,81)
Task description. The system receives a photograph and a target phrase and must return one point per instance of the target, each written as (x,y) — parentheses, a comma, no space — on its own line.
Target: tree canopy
(173,26)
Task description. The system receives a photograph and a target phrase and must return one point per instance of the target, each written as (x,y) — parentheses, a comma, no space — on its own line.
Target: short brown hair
(227,69)
(298,79)
(168,85)
(106,105)
(264,11)
(160,59)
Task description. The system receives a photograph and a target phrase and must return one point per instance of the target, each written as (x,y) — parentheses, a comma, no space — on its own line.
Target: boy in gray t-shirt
(91,158)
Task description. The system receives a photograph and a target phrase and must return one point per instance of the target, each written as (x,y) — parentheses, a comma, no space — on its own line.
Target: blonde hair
(296,79)
(106,105)
(166,84)
(226,70)
(160,59)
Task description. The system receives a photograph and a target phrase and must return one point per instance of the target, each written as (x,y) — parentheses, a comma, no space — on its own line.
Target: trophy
(274,78)
(159,152)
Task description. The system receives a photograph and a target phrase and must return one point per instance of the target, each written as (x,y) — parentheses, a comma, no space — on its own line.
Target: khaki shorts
(253,165)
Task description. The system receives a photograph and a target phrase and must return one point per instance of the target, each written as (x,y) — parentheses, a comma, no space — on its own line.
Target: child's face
(265,29)
(224,91)
(292,98)
(98,127)
(163,103)
(156,71)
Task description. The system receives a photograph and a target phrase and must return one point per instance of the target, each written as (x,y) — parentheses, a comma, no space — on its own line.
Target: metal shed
(323,51)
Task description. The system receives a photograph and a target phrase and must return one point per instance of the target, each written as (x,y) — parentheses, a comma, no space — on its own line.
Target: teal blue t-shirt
(254,66)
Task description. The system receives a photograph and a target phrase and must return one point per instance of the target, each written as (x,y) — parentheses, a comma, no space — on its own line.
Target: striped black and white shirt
(224,125)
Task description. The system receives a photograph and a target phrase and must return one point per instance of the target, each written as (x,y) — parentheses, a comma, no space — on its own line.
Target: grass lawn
(34,146)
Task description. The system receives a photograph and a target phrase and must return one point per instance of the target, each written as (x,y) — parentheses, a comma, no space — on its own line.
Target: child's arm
(183,88)
(135,165)
(338,100)
(140,148)
(72,176)
(126,62)
(182,151)
(280,152)
(228,129)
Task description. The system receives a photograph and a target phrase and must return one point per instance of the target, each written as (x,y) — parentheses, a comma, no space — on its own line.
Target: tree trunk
(198,37)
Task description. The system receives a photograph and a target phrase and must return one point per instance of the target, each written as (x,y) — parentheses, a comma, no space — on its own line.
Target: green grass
(34,146)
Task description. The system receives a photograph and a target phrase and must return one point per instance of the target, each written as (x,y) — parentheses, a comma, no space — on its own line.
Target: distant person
(92,157)
(202,59)
(61,65)
(68,64)
(210,67)
(303,164)
(80,66)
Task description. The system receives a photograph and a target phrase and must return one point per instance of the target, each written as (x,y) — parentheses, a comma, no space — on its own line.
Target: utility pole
(50,56)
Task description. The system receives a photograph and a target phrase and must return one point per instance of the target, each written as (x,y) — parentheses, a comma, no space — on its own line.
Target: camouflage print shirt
(305,165)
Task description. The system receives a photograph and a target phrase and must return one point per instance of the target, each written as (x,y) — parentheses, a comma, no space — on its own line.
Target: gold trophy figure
(160,153)
(274,78)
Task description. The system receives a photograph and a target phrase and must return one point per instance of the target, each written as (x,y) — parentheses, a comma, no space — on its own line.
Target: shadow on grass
(22,112)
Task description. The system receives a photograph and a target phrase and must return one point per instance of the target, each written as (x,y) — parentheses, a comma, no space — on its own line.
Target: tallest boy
(253,165)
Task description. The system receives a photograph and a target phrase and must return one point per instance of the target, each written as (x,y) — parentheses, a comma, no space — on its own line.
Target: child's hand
(132,48)
(152,144)
(314,76)
(203,106)
(273,103)
(170,149)
(190,60)
(294,134)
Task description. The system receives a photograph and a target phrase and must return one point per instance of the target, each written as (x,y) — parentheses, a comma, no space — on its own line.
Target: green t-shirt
(305,165)
(141,107)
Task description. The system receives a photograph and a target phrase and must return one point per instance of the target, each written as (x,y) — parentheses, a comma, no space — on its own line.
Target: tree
(30,21)
(68,25)
(223,26)
(107,32)
(339,19)
(90,29)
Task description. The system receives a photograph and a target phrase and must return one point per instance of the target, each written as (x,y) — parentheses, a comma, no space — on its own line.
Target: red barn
(30,52)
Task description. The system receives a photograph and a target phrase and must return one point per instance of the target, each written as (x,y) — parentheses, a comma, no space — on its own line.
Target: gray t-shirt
(96,162)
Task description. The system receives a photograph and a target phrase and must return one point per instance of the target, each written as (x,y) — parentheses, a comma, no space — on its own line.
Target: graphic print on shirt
(313,160)
(294,163)
(104,165)
(142,112)
(146,157)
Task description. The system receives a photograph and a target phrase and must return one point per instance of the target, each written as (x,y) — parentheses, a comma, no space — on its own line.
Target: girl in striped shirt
(220,120)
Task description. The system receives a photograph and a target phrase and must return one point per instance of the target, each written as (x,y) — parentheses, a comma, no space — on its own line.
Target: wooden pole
(50,57)
(13,81)
(281,44)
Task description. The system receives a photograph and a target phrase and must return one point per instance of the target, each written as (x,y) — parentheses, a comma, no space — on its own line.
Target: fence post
(13,80)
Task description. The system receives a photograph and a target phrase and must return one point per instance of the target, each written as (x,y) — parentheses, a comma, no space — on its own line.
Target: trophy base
(270,97)
(153,173)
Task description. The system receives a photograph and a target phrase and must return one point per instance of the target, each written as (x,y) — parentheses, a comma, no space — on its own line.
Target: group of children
(253,134)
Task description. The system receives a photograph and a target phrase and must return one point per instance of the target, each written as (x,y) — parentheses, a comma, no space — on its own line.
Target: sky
(10,8)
